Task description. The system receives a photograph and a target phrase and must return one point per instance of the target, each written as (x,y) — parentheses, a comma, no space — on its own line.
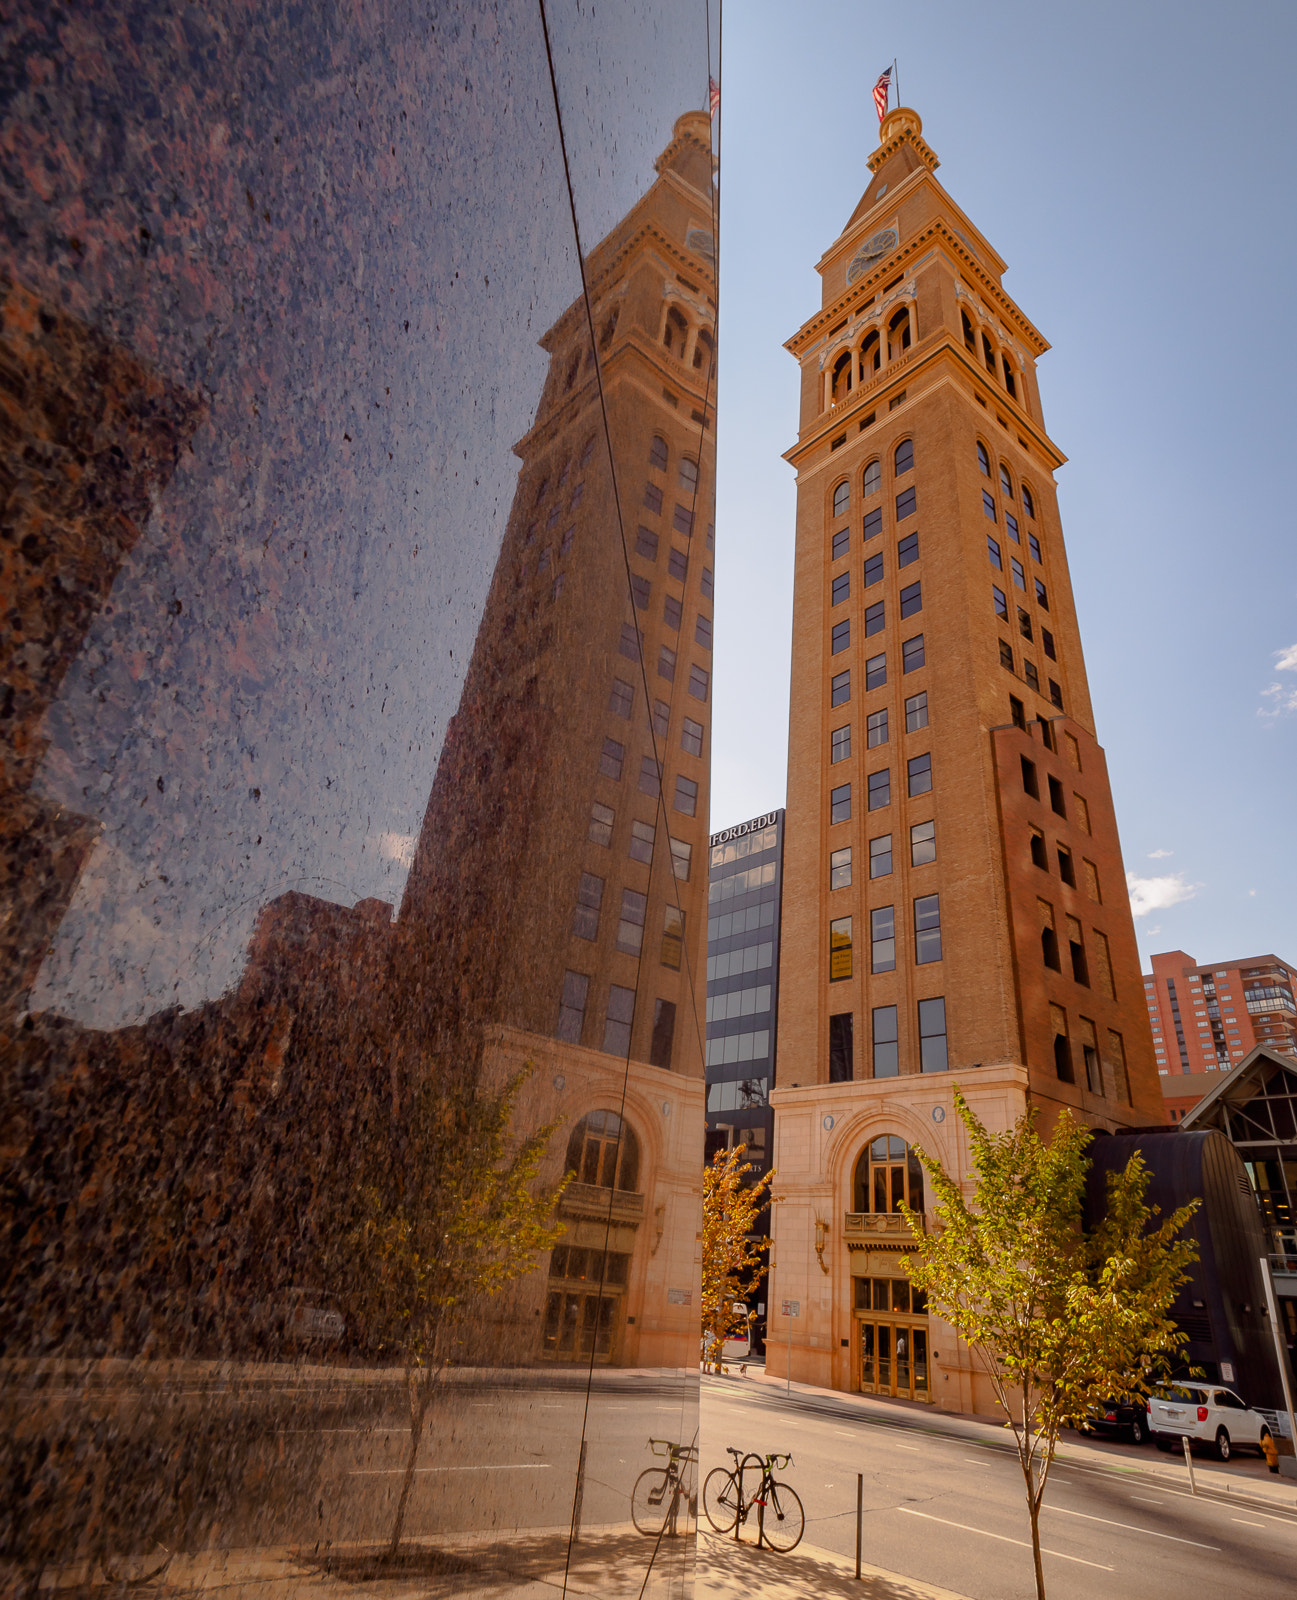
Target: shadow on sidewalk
(730,1571)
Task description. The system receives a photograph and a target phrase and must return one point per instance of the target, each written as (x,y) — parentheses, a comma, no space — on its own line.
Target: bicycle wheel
(782,1520)
(650,1500)
(721,1499)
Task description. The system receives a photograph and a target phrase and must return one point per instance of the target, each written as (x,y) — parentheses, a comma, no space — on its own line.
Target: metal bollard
(860,1516)
(1188,1461)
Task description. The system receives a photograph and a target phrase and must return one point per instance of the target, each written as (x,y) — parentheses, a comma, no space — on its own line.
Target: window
(1056,797)
(1017,712)
(699,680)
(873,571)
(703,631)
(907,550)
(653,497)
(667,663)
(1011,527)
(646,544)
(880,789)
(904,456)
(1066,870)
(630,641)
(1039,851)
(661,718)
(650,776)
(882,939)
(658,453)
(904,504)
(841,543)
(1033,544)
(622,698)
(630,930)
(1006,483)
(839,949)
(993,550)
(873,480)
(1082,813)
(912,656)
(842,499)
(841,636)
(1048,936)
(681,859)
(875,672)
(841,588)
(601,820)
(642,835)
(1062,1046)
(677,564)
(1030,674)
(616,1028)
(688,473)
(875,729)
(1006,655)
(673,936)
(682,520)
(840,688)
(983,460)
(672,612)
(1042,599)
(923,843)
(873,524)
(840,868)
(686,799)
(610,762)
(1028,504)
(841,1048)
(1024,623)
(932,1035)
(664,1027)
(886,1061)
(691,737)
(840,803)
(988,505)
(919,774)
(916,712)
(1092,889)
(911,600)
(589,897)
(1019,576)
(880,856)
(640,589)
(1117,1052)
(1076,948)
(1029,784)
(1000,602)
(1047,639)
(840,743)
(571,1008)
(705,583)
(874,619)
(927,929)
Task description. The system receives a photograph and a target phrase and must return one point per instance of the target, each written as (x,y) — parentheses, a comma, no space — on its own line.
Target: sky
(1132,164)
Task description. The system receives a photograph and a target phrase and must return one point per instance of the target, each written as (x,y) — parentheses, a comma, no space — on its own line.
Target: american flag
(714,97)
(880,94)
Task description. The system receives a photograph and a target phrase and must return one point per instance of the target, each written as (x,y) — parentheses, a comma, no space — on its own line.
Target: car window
(1231,1402)
(1177,1393)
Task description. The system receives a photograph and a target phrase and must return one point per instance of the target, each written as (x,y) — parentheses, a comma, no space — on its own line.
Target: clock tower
(953,878)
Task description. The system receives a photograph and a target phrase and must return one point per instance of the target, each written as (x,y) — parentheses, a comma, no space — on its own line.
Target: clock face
(871,252)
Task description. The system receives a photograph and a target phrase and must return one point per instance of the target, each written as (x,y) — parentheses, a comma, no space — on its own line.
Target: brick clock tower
(954,902)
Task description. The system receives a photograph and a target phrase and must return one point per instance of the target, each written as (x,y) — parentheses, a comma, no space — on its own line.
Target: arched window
(1028,504)
(898,333)
(842,499)
(603,1146)
(983,460)
(841,385)
(609,328)
(989,354)
(873,478)
(1006,482)
(1009,382)
(677,332)
(688,471)
(904,456)
(703,350)
(658,453)
(887,1173)
(871,353)
(969,340)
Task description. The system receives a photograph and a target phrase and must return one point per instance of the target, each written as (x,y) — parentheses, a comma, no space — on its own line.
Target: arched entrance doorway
(890,1330)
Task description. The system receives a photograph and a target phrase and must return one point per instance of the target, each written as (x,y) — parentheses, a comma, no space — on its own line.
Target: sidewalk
(740,1571)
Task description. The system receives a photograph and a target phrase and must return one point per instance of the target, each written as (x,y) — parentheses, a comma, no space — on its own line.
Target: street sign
(792,1308)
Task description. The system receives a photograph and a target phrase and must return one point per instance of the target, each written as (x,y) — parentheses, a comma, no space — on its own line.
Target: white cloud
(1154,894)
(1251,891)
(1282,696)
(1286,660)
(1159,855)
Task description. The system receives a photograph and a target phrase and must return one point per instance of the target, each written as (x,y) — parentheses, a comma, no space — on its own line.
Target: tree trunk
(1034,1508)
(418,1411)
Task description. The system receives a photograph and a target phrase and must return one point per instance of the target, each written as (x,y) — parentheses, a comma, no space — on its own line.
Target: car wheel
(1138,1432)
(1163,1444)
(1222,1444)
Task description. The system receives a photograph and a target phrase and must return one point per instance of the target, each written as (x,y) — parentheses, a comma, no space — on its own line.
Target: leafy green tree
(1058,1314)
(731,1206)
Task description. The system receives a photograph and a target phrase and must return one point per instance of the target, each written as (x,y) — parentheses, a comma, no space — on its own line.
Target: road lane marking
(1004,1539)
(1248,1524)
(1144,1500)
(393,1472)
(1150,1533)
(911,1447)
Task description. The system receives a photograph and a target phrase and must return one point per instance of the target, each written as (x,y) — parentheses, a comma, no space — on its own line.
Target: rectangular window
(840,868)
(589,897)
(840,803)
(601,820)
(839,949)
(681,859)
(571,1008)
(640,589)
(923,843)
(841,1048)
(919,772)
(916,712)
(622,699)
(907,550)
(1017,712)
(933,1056)
(1103,964)
(1082,812)
(874,619)
(610,762)
(886,1058)
(630,641)
(650,776)
(677,564)
(673,937)
(706,584)
(658,453)
(875,672)
(630,930)
(927,929)
(1011,525)
(1000,601)
(880,856)
(672,612)
(1042,598)
(840,688)
(1029,784)
(1055,693)
(1066,870)
(912,656)
(646,544)
(841,543)
(699,679)
(1056,797)
(904,504)
(840,743)
(616,1028)
(1006,655)
(682,520)
(1076,947)
(876,729)
(667,664)
(1047,639)
(1033,544)
(661,718)
(1117,1059)
(993,550)
(1024,623)
(911,600)
(686,800)
(1030,674)
(1019,576)
(988,508)
(841,635)
(1092,881)
(842,588)
(873,571)
(880,789)
(882,939)
(691,737)
(653,497)
(642,835)
(664,1027)
(873,523)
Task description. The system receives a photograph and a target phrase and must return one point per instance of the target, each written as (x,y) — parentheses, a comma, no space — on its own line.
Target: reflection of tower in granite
(558,892)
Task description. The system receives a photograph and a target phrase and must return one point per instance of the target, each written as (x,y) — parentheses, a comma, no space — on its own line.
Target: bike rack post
(860,1517)
(1188,1461)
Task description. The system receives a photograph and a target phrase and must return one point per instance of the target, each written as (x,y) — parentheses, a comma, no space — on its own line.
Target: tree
(1059,1315)
(731,1206)
(450,1216)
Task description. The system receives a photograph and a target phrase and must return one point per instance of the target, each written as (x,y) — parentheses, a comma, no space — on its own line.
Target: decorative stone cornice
(899,127)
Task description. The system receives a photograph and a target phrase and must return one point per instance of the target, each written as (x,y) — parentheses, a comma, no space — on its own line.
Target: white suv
(1203,1412)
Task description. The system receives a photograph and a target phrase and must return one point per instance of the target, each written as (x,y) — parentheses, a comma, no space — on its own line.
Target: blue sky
(1132,164)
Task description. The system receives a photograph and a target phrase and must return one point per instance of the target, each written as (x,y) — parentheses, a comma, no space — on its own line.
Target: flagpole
(896,73)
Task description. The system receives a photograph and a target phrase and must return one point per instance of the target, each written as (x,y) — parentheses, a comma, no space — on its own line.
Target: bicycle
(781,1521)
(655,1499)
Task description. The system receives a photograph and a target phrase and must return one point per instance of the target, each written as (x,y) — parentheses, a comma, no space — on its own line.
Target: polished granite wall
(343,350)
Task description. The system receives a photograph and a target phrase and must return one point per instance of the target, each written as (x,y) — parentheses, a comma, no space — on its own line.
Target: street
(945,1504)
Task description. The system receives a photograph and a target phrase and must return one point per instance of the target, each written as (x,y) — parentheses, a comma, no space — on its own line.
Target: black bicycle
(781,1520)
(655,1499)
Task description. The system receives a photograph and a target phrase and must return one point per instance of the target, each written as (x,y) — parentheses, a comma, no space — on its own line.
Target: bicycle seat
(735,1453)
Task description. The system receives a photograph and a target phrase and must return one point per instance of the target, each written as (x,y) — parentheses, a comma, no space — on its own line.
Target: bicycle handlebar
(775,1459)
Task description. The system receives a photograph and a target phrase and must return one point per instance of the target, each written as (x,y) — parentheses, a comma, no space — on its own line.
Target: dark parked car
(1126,1419)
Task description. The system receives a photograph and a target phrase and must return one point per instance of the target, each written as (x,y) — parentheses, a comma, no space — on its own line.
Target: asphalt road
(945,1503)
